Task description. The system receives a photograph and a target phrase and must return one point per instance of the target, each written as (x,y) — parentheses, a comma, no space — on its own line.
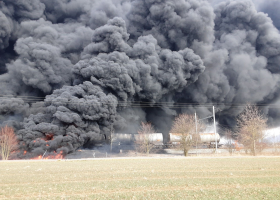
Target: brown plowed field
(142,178)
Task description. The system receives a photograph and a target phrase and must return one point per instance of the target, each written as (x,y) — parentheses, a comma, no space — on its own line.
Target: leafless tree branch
(143,142)
(251,125)
(8,142)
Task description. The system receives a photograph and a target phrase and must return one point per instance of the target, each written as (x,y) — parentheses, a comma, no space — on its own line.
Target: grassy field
(165,178)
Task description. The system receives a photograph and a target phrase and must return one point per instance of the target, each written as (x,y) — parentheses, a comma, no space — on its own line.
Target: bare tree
(143,141)
(251,124)
(184,125)
(8,142)
(230,145)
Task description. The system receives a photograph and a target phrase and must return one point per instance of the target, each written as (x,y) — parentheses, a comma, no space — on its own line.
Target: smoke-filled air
(74,71)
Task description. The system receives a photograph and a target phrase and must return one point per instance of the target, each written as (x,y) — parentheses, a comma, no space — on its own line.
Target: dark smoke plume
(74,115)
(91,61)
(110,70)
(243,66)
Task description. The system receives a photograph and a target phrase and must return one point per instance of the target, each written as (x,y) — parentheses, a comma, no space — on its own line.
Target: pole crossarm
(205,118)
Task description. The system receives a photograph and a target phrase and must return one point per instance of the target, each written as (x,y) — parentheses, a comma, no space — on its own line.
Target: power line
(13,96)
(143,102)
(33,99)
(205,118)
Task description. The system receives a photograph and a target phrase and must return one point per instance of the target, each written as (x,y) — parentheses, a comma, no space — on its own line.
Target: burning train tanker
(207,139)
(104,65)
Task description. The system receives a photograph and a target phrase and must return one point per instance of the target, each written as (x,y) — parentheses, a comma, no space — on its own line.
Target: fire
(55,156)
(49,136)
(37,158)
(24,152)
(59,156)
(237,146)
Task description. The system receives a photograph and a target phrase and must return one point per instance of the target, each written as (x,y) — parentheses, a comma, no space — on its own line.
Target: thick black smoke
(74,116)
(269,7)
(109,70)
(243,66)
(175,24)
(91,59)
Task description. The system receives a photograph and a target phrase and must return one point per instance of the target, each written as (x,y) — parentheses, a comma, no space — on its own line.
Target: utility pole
(196,131)
(44,154)
(274,141)
(215,127)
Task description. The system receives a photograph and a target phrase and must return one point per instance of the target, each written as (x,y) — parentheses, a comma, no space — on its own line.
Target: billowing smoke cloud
(110,70)
(12,112)
(74,116)
(12,13)
(93,61)
(270,7)
(243,66)
(47,53)
(175,24)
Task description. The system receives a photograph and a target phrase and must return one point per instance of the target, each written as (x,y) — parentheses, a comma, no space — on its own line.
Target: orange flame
(237,146)
(37,158)
(57,156)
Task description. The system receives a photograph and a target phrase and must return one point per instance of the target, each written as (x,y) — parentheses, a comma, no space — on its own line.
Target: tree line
(250,132)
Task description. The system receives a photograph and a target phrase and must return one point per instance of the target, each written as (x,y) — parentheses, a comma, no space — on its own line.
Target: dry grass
(165,178)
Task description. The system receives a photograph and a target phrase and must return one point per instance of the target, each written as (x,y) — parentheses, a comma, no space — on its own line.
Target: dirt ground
(103,153)
(154,177)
